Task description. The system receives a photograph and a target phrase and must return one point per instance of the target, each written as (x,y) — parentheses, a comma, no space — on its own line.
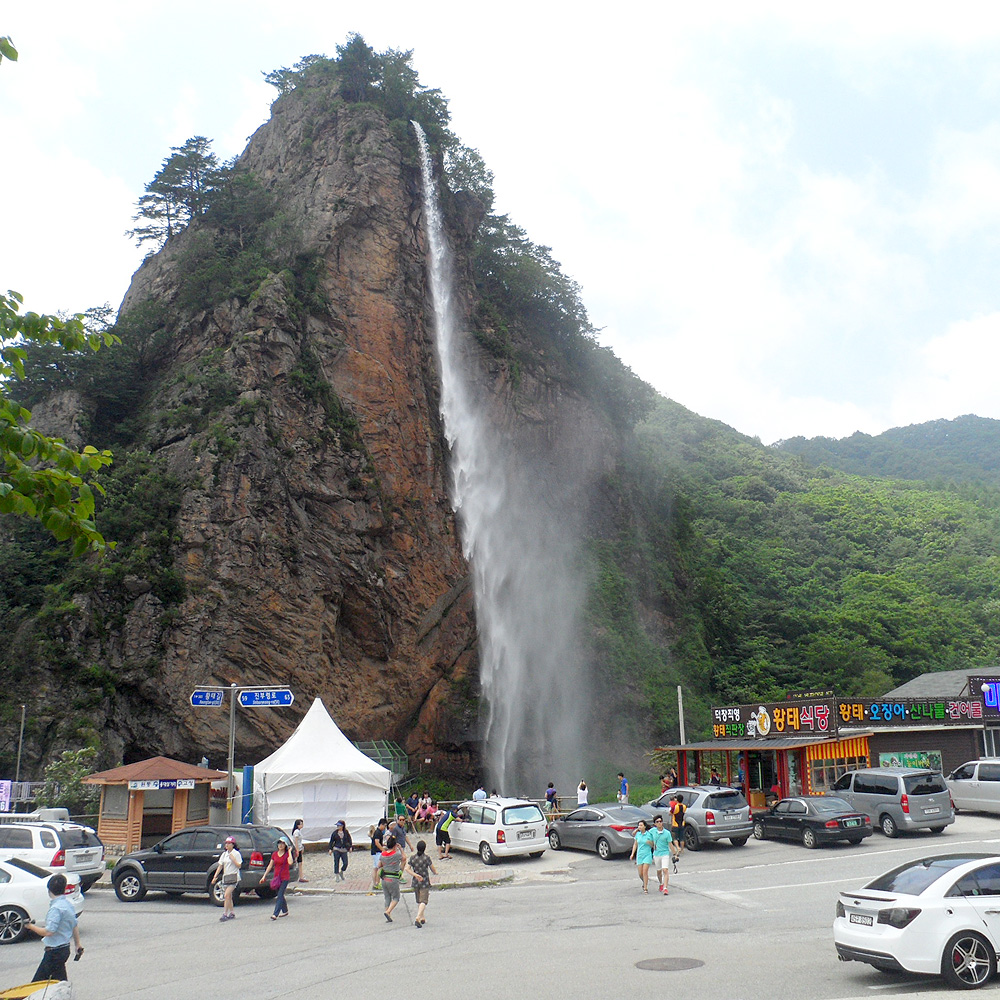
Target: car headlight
(898,916)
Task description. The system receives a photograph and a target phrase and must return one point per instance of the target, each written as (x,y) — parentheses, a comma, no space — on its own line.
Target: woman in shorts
(420,867)
(642,852)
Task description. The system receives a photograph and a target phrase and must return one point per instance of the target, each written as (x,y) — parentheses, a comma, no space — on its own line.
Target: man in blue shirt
(622,789)
(60,927)
(662,841)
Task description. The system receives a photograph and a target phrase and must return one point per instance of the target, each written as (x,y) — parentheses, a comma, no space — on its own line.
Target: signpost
(213,696)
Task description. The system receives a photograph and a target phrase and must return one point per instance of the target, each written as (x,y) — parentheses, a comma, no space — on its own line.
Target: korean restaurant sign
(899,712)
(988,689)
(806,717)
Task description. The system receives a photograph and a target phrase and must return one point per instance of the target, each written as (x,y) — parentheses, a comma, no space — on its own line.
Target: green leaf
(7,50)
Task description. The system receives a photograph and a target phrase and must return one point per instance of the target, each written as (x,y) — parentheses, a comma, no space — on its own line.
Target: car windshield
(726,800)
(913,878)
(27,866)
(81,837)
(522,814)
(923,784)
(831,804)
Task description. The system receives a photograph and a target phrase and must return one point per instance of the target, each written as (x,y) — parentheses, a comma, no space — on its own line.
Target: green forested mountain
(965,450)
(773,575)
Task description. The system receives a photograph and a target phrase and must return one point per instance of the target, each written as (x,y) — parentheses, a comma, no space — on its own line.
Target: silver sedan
(606,827)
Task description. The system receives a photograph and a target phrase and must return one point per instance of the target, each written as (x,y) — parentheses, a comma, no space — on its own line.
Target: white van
(976,785)
(498,828)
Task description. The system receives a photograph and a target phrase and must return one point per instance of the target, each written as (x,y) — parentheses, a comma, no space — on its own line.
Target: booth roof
(156,768)
(764,743)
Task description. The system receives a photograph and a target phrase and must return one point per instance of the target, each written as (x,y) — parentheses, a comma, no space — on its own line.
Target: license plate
(733,818)
(862,918)
(525,834)
(930,812)
(852,822)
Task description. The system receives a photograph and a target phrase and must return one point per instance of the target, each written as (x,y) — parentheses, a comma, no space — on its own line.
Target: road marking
(801,885)
(845,856)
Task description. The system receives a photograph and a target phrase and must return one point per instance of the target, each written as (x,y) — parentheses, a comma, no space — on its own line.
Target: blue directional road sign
(207,699)
(266,698)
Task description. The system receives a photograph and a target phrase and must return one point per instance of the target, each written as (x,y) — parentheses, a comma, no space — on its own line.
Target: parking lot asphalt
(738,923)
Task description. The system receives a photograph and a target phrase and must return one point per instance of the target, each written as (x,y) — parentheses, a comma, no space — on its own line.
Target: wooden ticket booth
(146,801)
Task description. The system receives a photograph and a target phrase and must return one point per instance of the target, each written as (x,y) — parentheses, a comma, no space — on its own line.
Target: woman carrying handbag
(279,864)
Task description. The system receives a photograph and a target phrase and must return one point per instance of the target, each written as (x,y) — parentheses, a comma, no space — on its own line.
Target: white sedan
(24,897)
(938,915)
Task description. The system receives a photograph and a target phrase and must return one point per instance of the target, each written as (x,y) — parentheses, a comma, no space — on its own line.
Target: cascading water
(518,537)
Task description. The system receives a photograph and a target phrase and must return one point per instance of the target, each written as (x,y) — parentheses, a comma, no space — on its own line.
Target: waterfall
(518,534)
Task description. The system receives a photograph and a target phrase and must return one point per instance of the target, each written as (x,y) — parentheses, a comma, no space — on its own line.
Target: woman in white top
(297,843)
(230,863)
(581,794)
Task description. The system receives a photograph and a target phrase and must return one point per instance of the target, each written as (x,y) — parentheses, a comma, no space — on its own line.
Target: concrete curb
(473,882)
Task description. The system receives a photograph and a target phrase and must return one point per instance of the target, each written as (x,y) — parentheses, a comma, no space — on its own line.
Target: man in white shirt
(479,795)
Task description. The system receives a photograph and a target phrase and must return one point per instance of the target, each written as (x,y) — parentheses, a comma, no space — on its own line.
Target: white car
(62,848)
(24,897)
(938,915)
(499,828)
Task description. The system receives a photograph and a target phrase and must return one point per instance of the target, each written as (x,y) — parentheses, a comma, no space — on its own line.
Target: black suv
(186,861)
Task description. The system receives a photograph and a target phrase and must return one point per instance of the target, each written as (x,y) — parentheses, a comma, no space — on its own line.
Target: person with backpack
(677,828)
(392,860)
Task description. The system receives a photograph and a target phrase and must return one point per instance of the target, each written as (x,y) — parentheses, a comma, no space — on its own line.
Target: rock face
(315,538)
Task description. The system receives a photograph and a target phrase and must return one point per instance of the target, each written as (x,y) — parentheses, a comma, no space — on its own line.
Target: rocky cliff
(312,543)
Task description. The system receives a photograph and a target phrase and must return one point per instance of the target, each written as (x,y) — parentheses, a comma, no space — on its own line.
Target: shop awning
(775,743)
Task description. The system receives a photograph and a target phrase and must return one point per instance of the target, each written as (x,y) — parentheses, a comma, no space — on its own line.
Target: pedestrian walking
(642,852)
(340,847)
(420,867)
(581,794)
(398,830)
(677,828)
(298,842)
(60,928)
(280,864)
(622,789)
(662,852)
(392,860)
(377,833)
(229,865)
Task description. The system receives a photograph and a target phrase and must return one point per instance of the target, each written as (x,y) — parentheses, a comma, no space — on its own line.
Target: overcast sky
(784,219)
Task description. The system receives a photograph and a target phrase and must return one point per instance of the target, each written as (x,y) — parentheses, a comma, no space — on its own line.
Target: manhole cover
(669,964)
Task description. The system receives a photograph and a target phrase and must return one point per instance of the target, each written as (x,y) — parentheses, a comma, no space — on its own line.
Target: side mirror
(158,848)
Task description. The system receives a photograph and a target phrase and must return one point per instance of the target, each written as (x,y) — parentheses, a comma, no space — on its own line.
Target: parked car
(24,897)
(714,813)
(898,798)
(813,820)
(935,915)
(186,861)
(499,828)
(61,848)
(976,785)
(605,827)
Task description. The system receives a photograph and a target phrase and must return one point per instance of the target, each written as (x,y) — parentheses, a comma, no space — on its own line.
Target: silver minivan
(976,785)
(898,798)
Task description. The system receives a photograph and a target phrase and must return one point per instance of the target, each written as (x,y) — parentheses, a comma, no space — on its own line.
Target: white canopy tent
(319,776)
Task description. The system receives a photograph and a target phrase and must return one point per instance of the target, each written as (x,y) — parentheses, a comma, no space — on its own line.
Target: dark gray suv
(185,862)
(714,813)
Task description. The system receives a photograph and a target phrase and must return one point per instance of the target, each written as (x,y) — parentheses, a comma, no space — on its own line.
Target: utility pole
(680,712)
(20,743)
(231,785)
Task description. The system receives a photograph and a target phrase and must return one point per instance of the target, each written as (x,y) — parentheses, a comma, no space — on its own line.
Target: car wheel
(603,849)
(691,839)
(13,924)
(129,887)
(486,853)
(738,841)
(855,840)
(535,854)
(888,825)
(265,892)
(554,842)
(968,961)
(758,830)
(217,893)
(809,838)
(937,829)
